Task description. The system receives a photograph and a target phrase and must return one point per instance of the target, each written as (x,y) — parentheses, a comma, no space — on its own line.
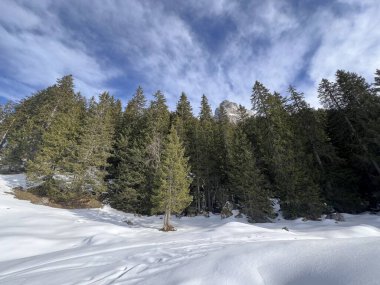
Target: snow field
(43,245)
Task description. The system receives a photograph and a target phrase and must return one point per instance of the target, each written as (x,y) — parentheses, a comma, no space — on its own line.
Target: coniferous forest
(314,161)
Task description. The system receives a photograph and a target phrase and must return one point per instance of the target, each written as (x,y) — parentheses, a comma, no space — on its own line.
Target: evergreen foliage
(205,165)
(128,190)
(247,181)
(7,120)
(95,145)
(139,159)
(172,193)
(55,156)
(285,163)
(353,108)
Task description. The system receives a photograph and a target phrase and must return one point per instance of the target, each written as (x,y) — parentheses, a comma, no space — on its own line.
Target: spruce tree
(221,192)
(33,117)
(377,81)
(312,140)
(172,193)
(246,181)
(184,110)
(353,108)
(129,187)
(184,122)
(130,177)
(95,144)
(158,117)
(204,166)
(290,180)
(55,162)
(187,128)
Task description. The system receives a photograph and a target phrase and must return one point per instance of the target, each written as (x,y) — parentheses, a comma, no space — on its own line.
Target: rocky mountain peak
(231,109)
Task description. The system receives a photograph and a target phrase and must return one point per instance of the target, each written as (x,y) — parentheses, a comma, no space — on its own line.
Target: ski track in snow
(43,245)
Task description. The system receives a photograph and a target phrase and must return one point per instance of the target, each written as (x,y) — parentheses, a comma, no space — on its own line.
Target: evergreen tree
(33,116)
(377,81)
(95,145)
(158,117)
(159,114)
(55,162)
(205,114)
(184,110)
(354,128)
(187,128)
(222,143)
(311,137)
(204,163)
(242,114)
(184,122)
(129,188)
(130,177)
(246,181)
(134,117)
(288,175)
(172,194)
(288,149)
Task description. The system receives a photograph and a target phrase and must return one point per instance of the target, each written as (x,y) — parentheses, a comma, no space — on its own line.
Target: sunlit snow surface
(42,245)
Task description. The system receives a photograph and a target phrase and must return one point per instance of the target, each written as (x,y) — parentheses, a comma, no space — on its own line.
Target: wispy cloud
(36,50)
(218,48)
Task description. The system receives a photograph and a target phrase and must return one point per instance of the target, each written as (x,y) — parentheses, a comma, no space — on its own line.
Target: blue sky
(217,48)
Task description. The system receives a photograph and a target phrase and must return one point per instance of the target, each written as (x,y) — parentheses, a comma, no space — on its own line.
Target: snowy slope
(42,245)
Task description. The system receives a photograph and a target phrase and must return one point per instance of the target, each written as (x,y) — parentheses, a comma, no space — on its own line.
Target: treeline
(314,161)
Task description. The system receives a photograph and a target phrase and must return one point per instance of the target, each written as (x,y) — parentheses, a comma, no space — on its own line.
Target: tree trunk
(167,226)
(4,137)
(198,197)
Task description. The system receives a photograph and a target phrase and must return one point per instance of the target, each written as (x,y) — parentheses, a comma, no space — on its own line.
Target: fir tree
(33,117)
(95,144)
(129,188)
(184,122)
(55,162)
(299,195)
(377,81)
(158,117)
(204,163)
(354,128)
(311,137)
(205,114)
(184,110)
(246,181)
(129,179)
(172,194)
(223,135)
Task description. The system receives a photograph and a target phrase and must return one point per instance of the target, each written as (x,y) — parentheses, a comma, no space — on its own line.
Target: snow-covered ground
(42,245)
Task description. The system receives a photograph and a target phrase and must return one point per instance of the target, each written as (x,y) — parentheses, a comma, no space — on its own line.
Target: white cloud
(350,42)
(36,51)
(152,41)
